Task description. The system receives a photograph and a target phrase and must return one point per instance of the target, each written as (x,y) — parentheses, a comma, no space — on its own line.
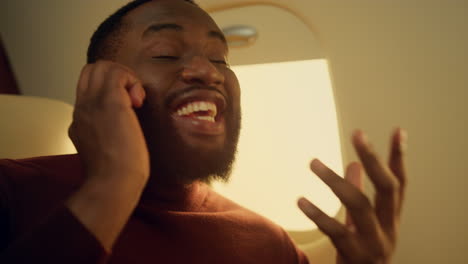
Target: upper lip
(193,94)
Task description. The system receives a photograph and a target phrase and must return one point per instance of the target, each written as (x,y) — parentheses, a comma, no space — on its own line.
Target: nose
(199,70)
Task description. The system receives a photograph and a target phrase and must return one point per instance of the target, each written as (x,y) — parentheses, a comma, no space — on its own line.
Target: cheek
(156,81)
(232,86)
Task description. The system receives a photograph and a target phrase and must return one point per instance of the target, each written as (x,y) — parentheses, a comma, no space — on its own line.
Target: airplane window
(289,117)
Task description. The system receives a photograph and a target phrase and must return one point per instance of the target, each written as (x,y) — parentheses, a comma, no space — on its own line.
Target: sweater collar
(175,197)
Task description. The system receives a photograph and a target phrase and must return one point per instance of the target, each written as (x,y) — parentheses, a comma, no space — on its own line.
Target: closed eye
(166,57)
(223,62)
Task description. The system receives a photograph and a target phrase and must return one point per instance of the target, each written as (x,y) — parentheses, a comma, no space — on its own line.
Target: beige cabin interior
(392,63)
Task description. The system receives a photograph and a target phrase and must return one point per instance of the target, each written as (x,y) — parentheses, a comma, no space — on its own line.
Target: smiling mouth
(200,112)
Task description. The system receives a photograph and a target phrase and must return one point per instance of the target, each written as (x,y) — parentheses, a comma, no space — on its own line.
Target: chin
(183,159)
(204,143)
(189,163)
(182,156)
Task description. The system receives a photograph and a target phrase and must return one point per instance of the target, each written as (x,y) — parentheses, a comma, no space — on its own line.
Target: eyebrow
(169,26)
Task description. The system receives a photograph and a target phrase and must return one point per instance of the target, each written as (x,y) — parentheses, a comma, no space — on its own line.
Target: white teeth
(206,118)
(182,112)
(199,106)
(213,108)
(203,106)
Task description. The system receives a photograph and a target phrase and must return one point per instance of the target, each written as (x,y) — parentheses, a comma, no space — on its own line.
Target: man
(157,116)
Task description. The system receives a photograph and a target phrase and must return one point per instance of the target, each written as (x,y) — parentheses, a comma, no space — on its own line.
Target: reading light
(239,36)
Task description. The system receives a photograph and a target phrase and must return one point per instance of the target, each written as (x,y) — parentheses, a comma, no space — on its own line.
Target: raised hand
(112,148)
(105,129)
(371,230)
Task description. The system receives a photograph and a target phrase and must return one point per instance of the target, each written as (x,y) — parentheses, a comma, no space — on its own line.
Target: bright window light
(288,118)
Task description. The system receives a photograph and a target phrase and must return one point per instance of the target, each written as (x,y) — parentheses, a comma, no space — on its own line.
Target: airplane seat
(34,126)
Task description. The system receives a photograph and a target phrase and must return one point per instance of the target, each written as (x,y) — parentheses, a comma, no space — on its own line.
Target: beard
(173,161)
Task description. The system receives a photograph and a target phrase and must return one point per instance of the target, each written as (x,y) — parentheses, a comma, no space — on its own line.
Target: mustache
(171,97)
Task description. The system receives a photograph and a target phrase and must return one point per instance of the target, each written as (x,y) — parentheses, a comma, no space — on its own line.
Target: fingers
(83,82)
(387,196)
(125,79)
(370,232)
(354,176)
(343,239)
(358,205)
(396,162)
(111,82)
(107,84)
(379,174)
(137,94)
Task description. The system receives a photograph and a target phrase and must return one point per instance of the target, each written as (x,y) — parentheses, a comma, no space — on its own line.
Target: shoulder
(44,165)
(41,171)
(28,186)
(41,163)
(265,233)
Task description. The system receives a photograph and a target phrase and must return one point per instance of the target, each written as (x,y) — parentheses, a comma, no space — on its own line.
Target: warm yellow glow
(289,117)
(34,126)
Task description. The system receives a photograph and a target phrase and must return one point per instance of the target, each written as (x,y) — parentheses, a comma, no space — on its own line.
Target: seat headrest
(33,126)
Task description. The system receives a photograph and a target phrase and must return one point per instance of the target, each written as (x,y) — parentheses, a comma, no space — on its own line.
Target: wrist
(115,171)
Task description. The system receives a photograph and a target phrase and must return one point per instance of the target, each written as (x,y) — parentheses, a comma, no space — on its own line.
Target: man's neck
(172,195)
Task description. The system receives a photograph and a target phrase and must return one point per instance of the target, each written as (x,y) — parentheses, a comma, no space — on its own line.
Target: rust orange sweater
(196,226)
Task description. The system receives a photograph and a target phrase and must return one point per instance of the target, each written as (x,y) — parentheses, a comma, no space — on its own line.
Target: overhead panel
(282,36)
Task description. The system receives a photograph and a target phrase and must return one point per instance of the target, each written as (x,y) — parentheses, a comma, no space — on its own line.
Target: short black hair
(106,40)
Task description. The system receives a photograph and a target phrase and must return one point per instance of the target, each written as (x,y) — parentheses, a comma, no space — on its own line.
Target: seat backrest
(33,126)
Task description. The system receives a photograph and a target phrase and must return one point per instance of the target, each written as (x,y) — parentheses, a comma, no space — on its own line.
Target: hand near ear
(111,146)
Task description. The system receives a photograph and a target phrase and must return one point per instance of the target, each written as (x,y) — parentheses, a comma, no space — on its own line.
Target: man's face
(191,116)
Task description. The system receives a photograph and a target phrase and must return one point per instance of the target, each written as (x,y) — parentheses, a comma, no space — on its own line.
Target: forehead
(170,11)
